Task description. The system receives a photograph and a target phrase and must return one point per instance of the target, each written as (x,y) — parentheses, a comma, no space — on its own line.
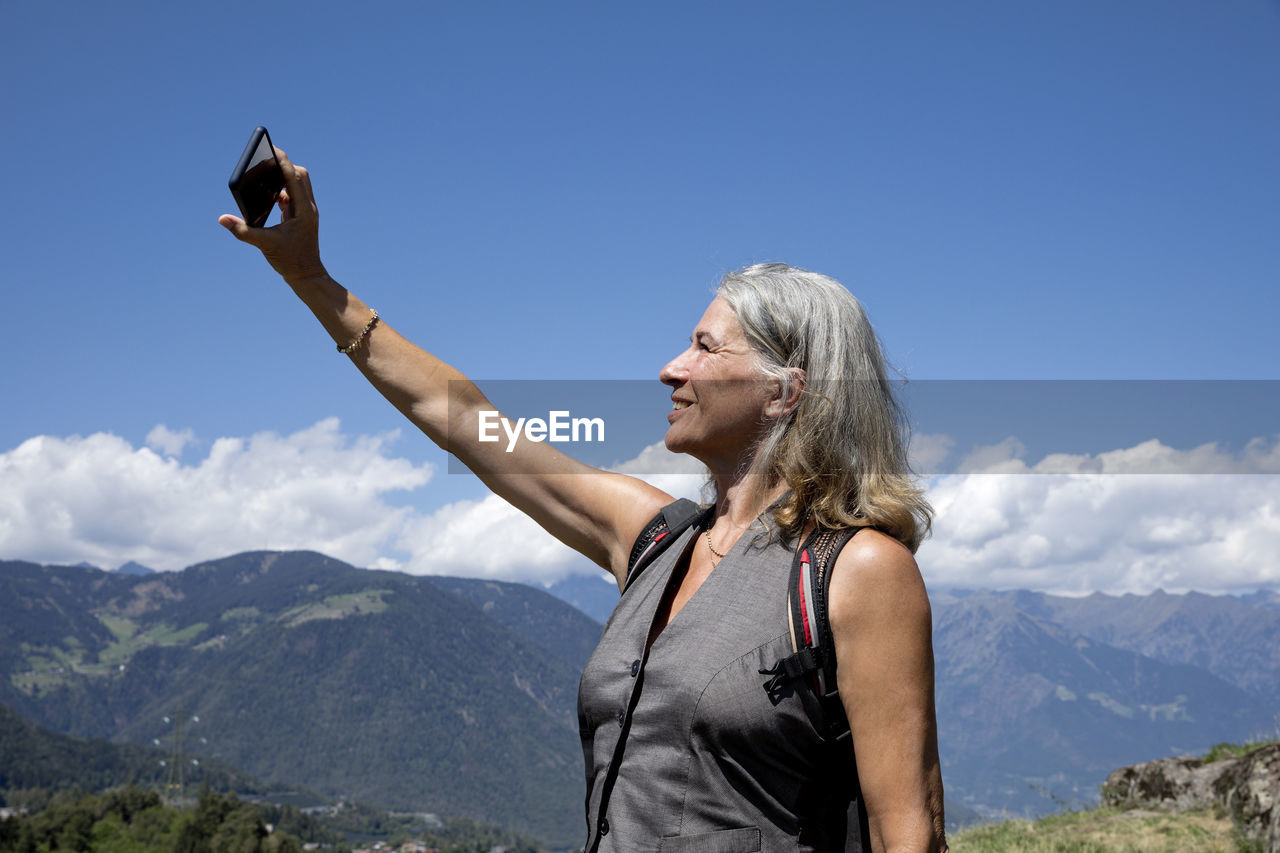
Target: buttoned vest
(685,749)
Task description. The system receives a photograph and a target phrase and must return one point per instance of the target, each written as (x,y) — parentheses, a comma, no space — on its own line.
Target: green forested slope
(31,757)
(303,670)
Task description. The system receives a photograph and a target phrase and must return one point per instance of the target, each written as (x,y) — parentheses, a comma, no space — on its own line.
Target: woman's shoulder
(874,550)
(875,575)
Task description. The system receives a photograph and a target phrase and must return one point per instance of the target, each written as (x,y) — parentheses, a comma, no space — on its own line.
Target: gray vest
(684,748)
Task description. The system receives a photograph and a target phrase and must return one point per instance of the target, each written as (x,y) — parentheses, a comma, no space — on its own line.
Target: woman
(684,749)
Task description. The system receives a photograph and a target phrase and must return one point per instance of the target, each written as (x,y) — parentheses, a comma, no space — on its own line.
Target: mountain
(304,670)
(1038,694)
(1236,639)
(595,595)
(1263,598)
(1031,711)
(36,758)
(565,633)
(458,696)
(132,568)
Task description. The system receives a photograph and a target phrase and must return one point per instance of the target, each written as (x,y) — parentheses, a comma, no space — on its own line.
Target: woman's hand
(292,247)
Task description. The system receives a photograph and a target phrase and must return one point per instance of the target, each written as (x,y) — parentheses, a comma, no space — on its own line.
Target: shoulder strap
(813,655)
(663,529)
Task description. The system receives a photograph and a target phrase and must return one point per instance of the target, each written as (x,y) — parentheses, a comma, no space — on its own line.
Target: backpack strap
(813,656)
(663,529)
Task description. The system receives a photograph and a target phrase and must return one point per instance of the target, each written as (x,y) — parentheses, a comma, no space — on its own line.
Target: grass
(240,613)
(130,643)
(122,629)
(1112,830)
(338,607)
(1106,830)
(1220,751)
(49,667)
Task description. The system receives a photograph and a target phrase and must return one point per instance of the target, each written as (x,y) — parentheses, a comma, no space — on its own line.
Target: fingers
(237,226)
(291,247)
(297,184)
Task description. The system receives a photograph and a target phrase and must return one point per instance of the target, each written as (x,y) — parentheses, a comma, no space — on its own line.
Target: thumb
(236,226)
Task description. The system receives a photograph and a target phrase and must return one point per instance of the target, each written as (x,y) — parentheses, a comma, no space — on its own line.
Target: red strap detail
(644,555)
(804,606)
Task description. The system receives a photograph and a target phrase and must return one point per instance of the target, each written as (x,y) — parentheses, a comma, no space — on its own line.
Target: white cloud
(168,442)
(1259,456)
(677,474)
(490,538)
(1068,523)
(486,538)
(1076,524)
(1004,457)
(927,451)
(100,499)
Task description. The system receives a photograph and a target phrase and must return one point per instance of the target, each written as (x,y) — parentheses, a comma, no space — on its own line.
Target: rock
(1250,790)
(1247,787)
(1170,784)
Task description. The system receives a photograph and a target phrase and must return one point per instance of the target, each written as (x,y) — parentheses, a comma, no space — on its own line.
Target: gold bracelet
(354,345)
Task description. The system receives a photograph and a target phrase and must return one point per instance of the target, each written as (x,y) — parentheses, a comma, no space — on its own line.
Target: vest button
(635,668)
(604,826)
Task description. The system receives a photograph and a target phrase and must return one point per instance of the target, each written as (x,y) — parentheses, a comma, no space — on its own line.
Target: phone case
(256,185)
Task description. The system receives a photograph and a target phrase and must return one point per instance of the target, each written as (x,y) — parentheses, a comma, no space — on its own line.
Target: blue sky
(1081,190)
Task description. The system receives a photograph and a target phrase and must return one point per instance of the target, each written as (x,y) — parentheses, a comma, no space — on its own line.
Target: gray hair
(842,449)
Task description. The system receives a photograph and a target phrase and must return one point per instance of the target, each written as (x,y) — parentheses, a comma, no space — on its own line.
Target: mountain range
(367,685)
(1033,712)
(1040,696)
(457,696)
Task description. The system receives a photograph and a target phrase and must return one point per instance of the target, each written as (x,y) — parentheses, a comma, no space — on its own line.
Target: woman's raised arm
(595,512)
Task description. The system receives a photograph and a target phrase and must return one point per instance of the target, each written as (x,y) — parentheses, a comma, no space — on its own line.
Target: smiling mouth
(677,405)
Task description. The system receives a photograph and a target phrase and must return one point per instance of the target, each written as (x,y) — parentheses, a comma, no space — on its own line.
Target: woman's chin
(676,444)
(679,438)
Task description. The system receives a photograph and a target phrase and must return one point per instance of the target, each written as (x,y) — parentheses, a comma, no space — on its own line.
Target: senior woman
(781,393)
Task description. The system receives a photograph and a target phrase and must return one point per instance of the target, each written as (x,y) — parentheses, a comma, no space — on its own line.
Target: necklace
(712,548)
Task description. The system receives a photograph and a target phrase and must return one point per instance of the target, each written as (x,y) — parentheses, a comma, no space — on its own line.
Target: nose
(676,371)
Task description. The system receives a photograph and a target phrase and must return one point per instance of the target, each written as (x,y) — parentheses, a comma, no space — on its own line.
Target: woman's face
(718,395)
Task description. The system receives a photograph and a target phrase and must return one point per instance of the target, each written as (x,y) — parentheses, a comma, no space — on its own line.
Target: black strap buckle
(790,668)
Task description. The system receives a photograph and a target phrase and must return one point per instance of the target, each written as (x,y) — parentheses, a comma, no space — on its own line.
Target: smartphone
(257,180)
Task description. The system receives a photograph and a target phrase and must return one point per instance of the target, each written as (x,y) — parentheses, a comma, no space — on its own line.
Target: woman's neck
(740,501)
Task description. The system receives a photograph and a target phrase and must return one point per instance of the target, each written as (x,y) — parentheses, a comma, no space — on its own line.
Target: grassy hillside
(1107,831)
(1127,824)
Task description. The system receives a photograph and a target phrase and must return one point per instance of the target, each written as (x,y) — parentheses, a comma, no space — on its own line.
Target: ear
(787,395)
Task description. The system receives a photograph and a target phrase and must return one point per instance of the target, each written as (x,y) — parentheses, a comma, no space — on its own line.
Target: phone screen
(257,180)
